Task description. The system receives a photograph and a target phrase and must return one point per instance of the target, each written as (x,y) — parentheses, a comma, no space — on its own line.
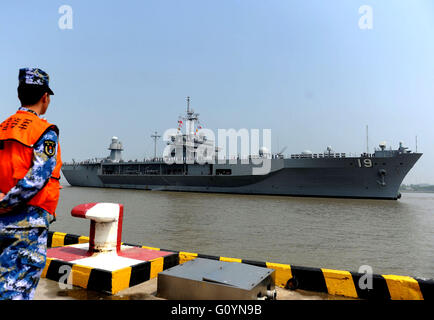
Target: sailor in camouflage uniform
(28,201)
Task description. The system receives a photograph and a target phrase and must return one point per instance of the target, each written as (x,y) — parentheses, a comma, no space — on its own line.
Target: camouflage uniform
(21,262)
(24,229)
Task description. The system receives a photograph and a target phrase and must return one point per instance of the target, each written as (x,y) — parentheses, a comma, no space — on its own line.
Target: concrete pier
(50,290)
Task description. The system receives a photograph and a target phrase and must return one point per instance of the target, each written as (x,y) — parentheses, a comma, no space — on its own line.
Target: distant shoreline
(425,188)
(416,191)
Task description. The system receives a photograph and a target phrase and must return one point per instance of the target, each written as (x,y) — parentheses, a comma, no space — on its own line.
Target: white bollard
(105,225)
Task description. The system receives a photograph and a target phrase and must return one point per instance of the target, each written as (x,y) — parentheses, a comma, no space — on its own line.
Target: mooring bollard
(105,225)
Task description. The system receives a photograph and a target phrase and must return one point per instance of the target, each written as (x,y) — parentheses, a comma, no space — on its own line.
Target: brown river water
(392,237)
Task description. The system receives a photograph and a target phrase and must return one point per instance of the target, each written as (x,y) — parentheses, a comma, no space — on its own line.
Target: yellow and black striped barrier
(334,282)
(59,239)
(103,280)
(338,282)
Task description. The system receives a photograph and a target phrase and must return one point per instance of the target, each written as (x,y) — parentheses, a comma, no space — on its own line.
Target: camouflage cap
(34,77)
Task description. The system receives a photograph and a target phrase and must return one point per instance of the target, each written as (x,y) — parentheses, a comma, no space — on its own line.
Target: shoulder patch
(49,147)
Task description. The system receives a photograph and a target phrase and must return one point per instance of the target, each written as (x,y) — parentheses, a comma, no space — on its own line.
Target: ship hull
(327,177)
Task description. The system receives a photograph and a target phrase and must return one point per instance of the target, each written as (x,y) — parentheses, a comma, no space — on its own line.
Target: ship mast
(190,119)
(188,105)
(367,140)
(155,136)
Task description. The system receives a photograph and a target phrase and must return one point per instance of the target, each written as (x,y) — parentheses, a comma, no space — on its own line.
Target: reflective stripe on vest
(18,134)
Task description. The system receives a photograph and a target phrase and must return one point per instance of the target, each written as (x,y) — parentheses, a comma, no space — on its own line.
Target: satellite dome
(263,151)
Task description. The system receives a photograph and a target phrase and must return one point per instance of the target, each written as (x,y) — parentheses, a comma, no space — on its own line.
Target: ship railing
(216,159)
(318,155)
(84,162)
(367,155)
(153,160)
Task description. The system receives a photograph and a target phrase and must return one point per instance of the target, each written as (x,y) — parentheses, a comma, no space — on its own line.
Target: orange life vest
(18,135)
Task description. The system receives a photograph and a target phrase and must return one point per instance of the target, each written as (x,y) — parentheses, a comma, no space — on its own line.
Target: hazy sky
(304,69)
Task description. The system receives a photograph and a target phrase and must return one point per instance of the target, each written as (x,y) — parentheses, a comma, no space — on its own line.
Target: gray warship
(376,175)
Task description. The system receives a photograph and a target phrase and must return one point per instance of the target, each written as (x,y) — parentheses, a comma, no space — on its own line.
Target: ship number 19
(367,163)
